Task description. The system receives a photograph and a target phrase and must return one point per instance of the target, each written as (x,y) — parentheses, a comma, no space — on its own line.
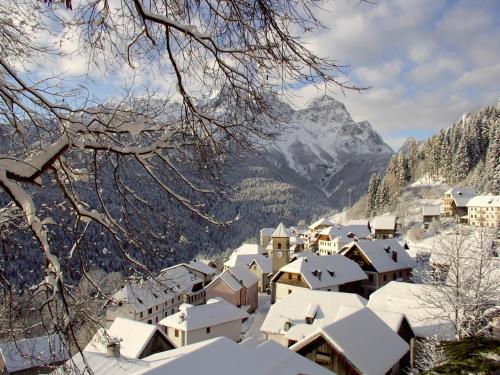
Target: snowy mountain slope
(325,145)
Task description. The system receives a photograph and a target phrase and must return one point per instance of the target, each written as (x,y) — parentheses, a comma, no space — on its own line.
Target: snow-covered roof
(408,299)
(374,351)
(229,280)
(214,312)
(38,351)
(363,222)
(236,278)
(431,210)
(263,262)
(247,259)
(243,275)
(220,356)
(249,248)
(484,201)
(171,282)
(461,195)
(321,222)
(133,336)
(325,271)
(201,267)
(295,307)
(267,231)
(281,231)
(393,319)
(179,278)
(380,254)
(384,222)
(345,232)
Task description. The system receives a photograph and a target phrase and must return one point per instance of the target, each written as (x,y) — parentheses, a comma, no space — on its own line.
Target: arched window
(279,245)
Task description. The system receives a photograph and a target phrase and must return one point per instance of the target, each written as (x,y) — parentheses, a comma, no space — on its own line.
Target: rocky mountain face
(323,144)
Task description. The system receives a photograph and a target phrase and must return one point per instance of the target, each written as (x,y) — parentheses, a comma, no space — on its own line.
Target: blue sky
(426,61)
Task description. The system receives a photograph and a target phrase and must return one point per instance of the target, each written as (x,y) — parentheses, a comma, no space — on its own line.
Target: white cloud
(379,75)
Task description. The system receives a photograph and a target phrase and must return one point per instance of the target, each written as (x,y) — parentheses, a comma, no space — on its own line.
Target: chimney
(182,317)
(113,347)
(395,256)
(287,325)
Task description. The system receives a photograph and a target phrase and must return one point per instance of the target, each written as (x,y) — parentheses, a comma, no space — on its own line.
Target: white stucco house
(198,323)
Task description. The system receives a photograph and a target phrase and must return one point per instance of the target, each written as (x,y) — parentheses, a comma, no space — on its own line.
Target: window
(178,298)
(156,319)
(176,333)
(141,315)
(394,276)
(289,276)
(299,277)
(370,278)
(150,321)
(166,314)
(208,329)
(400,274)
(385,277)
(289,291)
(150,310)
(279,246)
(172,311)
(156,307)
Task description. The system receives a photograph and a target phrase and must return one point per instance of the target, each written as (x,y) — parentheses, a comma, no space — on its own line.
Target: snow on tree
(373,189)
(55,133)
(462,159)
(493,163)
(383,196)
(465,279)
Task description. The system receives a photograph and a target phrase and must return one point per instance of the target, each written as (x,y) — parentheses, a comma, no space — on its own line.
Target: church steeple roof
(281,231)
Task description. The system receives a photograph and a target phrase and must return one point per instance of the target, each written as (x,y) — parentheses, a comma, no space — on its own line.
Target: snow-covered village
(249,187)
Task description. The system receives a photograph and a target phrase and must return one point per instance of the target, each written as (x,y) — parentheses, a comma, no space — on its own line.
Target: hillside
(306,171)
(467,153)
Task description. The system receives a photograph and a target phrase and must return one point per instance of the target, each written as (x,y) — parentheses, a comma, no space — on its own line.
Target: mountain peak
(325,100)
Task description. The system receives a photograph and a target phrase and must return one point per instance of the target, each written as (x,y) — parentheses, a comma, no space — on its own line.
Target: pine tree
(446,161)
(373,187)
(401,169)
(462,160)
(412,158)
(384,198)
(493,163)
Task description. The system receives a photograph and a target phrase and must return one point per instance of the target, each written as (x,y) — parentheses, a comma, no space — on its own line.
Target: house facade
(331,273)
(236,285)
(382,260)
(332,239)
(384,226)
(484,211)
(153,300)
(261,267)
(455,201)
(198,323)
(430,214)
